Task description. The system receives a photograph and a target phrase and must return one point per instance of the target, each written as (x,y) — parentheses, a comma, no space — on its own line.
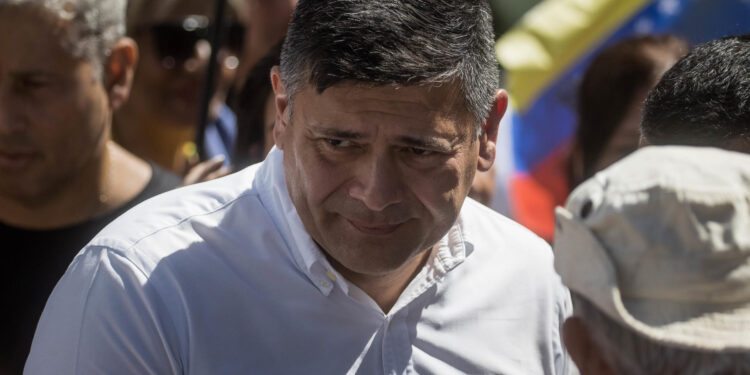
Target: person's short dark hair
(394,42)
(704,100)
(613,80)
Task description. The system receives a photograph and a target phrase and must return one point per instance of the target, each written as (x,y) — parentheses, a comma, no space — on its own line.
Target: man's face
(377,175)
(53,109)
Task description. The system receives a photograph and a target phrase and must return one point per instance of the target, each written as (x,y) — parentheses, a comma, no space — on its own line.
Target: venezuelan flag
(544,57)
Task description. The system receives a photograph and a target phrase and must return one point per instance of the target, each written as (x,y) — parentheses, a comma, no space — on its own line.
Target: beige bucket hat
(660,242)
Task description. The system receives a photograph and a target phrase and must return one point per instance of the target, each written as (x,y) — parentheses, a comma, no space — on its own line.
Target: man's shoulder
(177,213)
(161,181)
(504,254)
(511,265)
(491,231)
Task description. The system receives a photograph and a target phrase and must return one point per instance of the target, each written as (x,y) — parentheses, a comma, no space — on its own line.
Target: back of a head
(393,42)
(704,100)
(656,251)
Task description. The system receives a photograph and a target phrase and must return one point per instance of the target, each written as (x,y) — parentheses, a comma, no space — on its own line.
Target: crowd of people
(326,227)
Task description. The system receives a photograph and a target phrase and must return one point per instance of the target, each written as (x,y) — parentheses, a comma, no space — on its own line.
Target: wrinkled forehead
(34,11)
(443,100)
(33,21)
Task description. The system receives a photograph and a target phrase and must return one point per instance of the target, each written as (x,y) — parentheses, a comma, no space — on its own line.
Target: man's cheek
(443,182)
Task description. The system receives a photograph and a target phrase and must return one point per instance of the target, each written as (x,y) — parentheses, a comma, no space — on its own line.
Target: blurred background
(508,12)
(544,49)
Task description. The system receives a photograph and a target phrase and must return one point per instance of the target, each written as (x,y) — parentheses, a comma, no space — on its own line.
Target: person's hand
(206,171)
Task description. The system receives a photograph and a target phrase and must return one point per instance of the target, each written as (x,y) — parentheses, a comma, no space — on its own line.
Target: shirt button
(331,275)
(324,283)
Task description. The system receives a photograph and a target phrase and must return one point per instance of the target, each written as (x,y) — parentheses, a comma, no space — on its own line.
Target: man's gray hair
(628,353)
(93,26)
(394,42)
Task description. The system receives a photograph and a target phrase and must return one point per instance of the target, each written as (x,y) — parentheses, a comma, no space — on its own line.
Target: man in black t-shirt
(64,68)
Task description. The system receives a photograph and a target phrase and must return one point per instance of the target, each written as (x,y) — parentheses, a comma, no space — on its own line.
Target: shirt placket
(396,341)
(396,344)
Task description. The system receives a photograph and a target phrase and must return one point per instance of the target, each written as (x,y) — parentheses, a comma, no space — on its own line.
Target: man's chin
(370,257)
(21,188)
(373,269)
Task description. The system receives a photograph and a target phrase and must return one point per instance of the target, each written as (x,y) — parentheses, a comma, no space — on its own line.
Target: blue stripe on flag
(550,121)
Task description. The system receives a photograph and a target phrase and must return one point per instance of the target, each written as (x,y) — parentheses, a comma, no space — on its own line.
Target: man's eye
(420,151)
(338,142)
(30,83)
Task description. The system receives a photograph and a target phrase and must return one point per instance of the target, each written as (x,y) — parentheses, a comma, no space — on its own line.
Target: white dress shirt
(222,278)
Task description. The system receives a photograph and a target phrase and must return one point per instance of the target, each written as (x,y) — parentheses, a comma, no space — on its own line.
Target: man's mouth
(374,229)
(16,159)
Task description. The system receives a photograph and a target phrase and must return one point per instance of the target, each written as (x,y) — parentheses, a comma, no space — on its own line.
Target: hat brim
(587,269)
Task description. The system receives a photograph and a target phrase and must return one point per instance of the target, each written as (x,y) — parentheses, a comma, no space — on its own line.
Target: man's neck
(386,289)
(102,185)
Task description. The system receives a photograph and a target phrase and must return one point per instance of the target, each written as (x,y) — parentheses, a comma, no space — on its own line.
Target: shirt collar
(451,250)
(271,183)
(448,253)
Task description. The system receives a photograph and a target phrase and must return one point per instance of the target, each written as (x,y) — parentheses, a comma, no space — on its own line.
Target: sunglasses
(175,40)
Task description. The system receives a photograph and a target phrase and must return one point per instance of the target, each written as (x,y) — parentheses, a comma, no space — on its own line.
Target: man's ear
(281,100)
(119,70)
(582,349)
(488,140)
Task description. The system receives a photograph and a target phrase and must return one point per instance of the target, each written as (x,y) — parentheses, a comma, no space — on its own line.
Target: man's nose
(378,183)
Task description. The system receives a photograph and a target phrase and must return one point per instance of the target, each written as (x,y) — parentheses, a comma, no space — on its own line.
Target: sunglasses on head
(175,40)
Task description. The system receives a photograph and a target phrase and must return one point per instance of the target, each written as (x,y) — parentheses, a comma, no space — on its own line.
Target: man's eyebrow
(336,133)
(30,72)
(439,143)
(35,74)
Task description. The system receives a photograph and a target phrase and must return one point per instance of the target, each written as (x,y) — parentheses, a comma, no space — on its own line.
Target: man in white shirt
(352,247)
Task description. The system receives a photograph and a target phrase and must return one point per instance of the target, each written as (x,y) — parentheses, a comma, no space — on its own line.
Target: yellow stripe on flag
(551,37)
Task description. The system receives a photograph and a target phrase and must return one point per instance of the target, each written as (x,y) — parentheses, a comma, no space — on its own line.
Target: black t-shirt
(34,260)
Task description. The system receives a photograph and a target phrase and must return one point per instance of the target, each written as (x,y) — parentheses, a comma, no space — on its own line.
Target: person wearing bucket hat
(656,252)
